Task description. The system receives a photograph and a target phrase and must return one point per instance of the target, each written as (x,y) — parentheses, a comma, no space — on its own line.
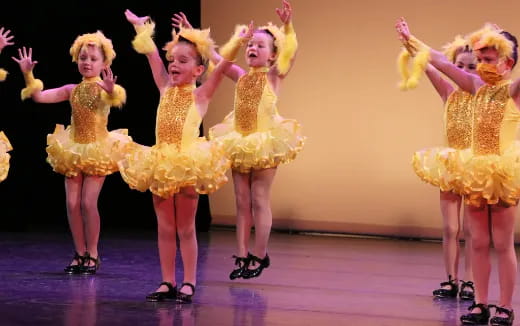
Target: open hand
(180,21)
(25,60)
(108,80)
(134,19)
(5,38)
(285,13)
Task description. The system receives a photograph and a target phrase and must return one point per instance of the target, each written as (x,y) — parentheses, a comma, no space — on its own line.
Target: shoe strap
(241,260)
(261,261)
(468,284)
(79,258)
(481,306)
(501,310)
(171,288)
(190,285)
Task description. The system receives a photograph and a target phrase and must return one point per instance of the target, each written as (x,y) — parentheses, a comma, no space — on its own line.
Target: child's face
(467,62)
(90,61)
(184,67)
(487,55)
(259,51)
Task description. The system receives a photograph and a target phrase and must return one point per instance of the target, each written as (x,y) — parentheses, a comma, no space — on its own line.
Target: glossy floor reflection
(313,280)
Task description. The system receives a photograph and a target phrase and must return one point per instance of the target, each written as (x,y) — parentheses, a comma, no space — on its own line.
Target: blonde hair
(98,39)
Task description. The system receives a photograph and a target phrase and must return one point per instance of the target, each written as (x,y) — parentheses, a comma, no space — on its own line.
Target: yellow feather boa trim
(32,85)
(421,56)
(143,42)
(3,74)
(229,51)
(117,98)
(287,51)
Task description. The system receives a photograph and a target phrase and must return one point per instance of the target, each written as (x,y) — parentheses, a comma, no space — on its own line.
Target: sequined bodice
(490,108)
(173,111)
(255,102)
(458,120)
(89,113)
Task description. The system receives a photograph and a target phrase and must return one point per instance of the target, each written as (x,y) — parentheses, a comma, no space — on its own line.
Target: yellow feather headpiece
(451,50)
(201,38)
(98,39)
(278,34)
(490,36)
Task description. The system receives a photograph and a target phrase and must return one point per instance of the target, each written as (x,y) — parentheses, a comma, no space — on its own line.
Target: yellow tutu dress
(180,157)
(489,171)
(5,146)
(86,146)
(430,163)
(254,135)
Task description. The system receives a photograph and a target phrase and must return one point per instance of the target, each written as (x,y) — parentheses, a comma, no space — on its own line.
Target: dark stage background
(32,196)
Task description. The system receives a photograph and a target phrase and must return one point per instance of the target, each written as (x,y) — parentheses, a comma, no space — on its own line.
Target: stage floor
(313,280)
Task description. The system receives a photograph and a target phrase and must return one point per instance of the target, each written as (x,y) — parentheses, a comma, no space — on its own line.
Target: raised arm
(466,81)
(442,86)
(205,92)
(287,55)
(233,71)
(34,87)
(143,43)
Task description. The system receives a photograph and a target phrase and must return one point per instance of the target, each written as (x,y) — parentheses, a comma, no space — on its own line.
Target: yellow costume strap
(3,139)
(117,98)
(229,51)
(421,57)
(143,42)
(287,50)
(3,74)
(32,85)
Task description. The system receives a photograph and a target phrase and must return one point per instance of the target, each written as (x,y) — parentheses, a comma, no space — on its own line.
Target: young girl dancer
(84,152)
(5,145)
(488,171)
(256,137)
(457,127)
(181,164)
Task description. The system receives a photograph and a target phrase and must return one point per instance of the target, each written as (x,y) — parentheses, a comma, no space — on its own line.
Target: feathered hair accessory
(454,48)
(490,36)
(200,38)
(98,39)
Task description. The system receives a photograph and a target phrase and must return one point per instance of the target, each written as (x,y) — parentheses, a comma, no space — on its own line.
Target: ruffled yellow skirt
(5,146)
(164,170)
(98,158)
(487,178)
(430,165)
(262,149)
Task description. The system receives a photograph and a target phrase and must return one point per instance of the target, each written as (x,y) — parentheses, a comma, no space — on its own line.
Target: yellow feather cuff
(421,57)
(288,50)
(229,51)
(3,74)
(117,98)
(402,65)
(143,42)
(3,139)
(32,85)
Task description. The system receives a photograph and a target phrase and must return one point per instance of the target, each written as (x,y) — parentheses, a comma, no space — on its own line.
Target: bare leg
(468,267)
(185,209)
(242,184)
(450,208)
(479,224)
(503,223)
(73,187)
(261,194)
(167,239)
(89,206)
